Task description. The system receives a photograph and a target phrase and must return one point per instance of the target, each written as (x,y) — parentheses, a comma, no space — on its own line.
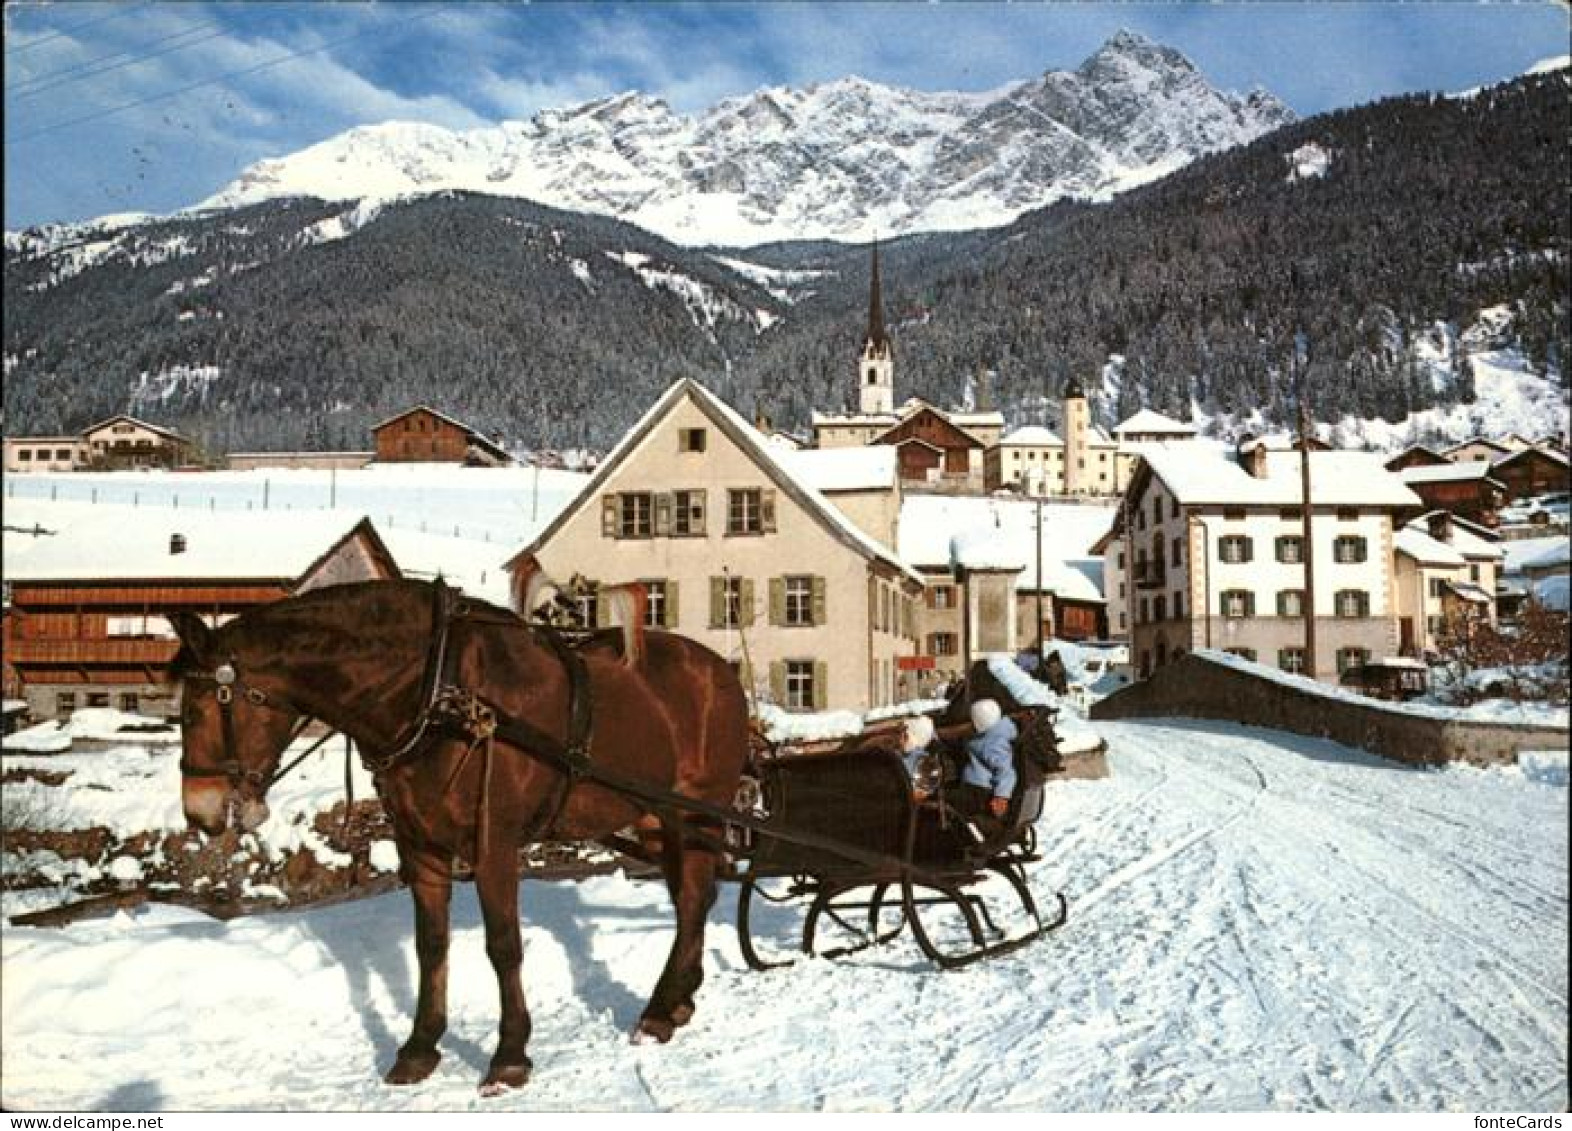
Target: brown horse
(370,660)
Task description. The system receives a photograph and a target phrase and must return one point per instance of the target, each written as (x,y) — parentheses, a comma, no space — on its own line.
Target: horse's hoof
(413,1067)
(503,1078)
(653,1030)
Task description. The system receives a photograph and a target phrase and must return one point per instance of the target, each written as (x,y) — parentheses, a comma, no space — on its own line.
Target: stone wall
(1204,686)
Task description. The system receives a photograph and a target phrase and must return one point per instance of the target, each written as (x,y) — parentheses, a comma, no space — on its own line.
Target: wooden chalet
(1469,489)
(932,448)
(1416,456)
(1532,471)
(424,435)
(86,621)
(125,443)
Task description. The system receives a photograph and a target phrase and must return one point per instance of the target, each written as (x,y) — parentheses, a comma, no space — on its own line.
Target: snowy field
(1258,921)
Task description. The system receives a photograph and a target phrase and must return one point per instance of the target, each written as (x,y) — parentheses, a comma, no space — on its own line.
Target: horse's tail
(627,605)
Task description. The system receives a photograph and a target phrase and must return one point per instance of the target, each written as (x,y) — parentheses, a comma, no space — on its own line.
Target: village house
(120,443)
(1532,471)
(737,552)
(424,435)
(1446,576)
(1214,557)
(1468,489)
(1416,455)
(89,592)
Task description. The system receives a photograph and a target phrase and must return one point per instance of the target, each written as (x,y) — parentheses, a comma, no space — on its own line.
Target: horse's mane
(539,596)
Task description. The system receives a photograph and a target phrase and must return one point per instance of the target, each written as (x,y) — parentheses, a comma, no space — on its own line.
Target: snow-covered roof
(1033,435)
(930,523)
(1337,478)
(1475,542)
(1446,473)
(1552,592)
(1424,549)
(1468,591)
(841,469)
(770,459)
(1148,420)
(133,544)
(846,419)
(170,433)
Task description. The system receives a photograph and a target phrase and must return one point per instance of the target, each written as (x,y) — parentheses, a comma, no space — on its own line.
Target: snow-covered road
(1258,921)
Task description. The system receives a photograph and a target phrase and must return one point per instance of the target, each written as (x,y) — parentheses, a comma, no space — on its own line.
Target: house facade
(86,625)
(45,453)
(738,553)
(1446,577)
(1215,557)
(1468,488)
(124,443)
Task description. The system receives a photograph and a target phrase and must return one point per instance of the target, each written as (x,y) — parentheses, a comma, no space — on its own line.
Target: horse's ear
(192,631)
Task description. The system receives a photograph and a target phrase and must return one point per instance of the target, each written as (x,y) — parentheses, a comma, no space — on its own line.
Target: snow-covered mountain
(847,159)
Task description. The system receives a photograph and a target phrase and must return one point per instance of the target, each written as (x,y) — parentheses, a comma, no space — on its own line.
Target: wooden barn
(424,435)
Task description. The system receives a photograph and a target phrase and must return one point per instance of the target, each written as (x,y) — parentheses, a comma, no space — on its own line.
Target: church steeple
(876,368)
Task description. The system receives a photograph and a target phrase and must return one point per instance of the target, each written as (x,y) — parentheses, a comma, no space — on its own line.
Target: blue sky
(142,105)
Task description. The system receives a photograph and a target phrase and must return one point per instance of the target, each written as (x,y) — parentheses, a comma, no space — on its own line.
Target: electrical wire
(243,71)
(27,88)
(121,10)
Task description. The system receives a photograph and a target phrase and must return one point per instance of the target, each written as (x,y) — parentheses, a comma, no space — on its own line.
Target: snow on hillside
(1258,922)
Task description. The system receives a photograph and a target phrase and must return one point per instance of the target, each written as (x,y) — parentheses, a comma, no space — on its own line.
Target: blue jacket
(990,759)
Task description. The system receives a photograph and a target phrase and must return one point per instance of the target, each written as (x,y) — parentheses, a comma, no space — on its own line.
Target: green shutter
(767,510)
(697,516)
(663,515)
(777,601)
(819,617)
(778,682)
(671,619)
(608,516)
(821,684)
(717,602)
(745,617)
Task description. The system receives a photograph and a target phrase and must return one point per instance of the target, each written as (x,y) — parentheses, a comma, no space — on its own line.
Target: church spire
(877,337)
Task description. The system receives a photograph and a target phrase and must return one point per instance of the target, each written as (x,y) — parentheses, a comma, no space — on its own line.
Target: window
(1177,554)
(635,515)
(941,597)
(1291,603)
(1157,511)
(691,439)
(130,702)
(1352,603)
(1438,586)
(1473,573)
(1146,612)
(943,644)
(731,602)
(1435,625)
(1350,548)
(98,698)
(1160,608)
(1242,653)
(1291,549)
(800,685)
(1234,548)
(1178,606)
(798,594)
(687,514)
(1351,658)
(1291,659)
(587,605)
(26,455)
(660,609)
(63,453)
(750,510)
(1173,508)
(65,703)
(1237,603)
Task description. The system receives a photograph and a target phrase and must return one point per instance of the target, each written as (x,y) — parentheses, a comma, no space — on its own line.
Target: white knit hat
(918,733)
(985,713)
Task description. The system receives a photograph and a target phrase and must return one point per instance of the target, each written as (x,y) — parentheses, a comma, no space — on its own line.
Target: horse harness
(451,709)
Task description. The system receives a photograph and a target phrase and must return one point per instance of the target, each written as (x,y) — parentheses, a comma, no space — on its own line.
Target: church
(969,452)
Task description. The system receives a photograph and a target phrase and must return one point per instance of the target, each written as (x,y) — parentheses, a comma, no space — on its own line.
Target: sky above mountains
(142,105)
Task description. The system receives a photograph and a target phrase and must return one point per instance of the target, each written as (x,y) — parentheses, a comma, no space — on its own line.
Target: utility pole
(1042,660)
(1301,359)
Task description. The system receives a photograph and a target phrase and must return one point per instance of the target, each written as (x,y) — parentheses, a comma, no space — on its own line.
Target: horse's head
(234,726)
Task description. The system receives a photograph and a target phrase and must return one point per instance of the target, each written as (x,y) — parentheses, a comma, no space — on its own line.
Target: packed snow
(1258,922)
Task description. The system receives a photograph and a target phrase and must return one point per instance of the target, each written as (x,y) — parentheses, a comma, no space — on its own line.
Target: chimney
(177,543)
(1440,523)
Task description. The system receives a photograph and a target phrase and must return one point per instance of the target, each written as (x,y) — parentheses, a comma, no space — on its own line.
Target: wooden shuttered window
(797,601)
(609,516)
(720,599)
(767,510)
(821,685)
(663,515)
(777,602)
(778,681)
(820,602)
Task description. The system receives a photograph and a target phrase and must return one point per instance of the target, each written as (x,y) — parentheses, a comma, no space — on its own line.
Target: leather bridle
(226,678)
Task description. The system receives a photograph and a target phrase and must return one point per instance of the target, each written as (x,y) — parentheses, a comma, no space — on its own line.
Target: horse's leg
(431,884)
(497,884)
(690,876)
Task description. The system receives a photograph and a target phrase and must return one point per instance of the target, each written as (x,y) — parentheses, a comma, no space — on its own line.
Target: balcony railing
(91,651)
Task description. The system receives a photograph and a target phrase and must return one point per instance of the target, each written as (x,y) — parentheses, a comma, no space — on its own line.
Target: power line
(121,11)
(27,88)
(54,126)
